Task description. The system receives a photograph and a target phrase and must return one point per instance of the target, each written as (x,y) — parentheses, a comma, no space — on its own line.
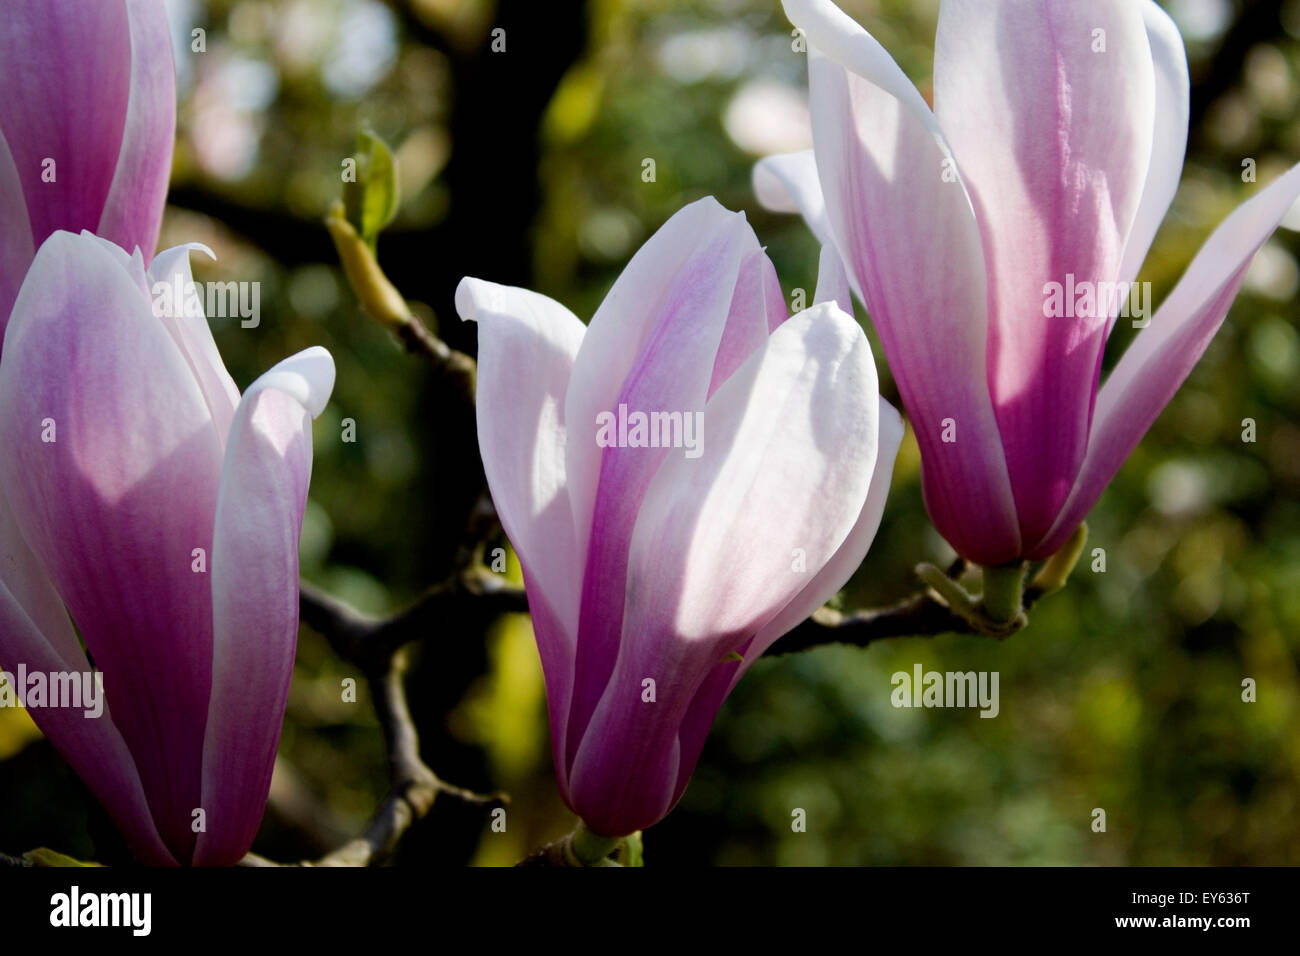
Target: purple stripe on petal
(670,372)
(1053,138)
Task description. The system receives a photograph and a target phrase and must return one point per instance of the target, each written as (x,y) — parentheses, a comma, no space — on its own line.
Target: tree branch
(917,616)
(414,786)
(472,596)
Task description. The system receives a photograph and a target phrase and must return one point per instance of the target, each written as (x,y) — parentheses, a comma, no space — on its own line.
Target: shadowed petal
(133,209)
(35,630)
(66,89)
(833,281)
(92,746)
(787,182)
(16,245)
(32,592)
(556,648)
(189,328)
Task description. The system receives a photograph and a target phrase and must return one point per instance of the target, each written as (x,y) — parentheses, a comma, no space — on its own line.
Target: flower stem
(589,848)
(1003,587)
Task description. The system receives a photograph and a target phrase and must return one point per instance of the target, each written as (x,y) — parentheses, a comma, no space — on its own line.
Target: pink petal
(116,505)
(788,455)
(527,345)
(911,243)
(557,650)
(1054,142)
(133,209)
(264,481)
(66,90)
(91,87)
(1163,353)
(16,245)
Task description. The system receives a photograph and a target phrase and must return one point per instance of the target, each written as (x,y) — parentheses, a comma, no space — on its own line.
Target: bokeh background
(525,166)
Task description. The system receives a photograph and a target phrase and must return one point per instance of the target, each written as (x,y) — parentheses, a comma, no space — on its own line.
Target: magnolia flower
(158,512)
(87,117)
(1052,154)
(656,575)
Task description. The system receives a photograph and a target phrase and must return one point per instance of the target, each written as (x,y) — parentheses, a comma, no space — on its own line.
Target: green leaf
(378,176)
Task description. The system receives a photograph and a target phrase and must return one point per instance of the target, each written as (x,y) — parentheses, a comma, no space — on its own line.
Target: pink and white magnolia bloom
(87,120)
(1053,151)
(150,505)
(657,575)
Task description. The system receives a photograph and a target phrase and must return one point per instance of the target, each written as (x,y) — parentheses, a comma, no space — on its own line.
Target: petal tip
(468,292)
(307,376)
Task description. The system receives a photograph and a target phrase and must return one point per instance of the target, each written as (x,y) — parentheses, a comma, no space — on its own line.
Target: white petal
(527,346)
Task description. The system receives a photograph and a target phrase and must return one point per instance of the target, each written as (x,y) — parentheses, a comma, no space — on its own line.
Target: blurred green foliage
(1125,693)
